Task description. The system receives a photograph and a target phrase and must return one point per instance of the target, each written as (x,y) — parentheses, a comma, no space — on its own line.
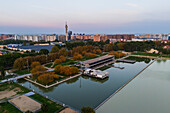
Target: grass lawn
(52,106)
(22,72)
(8,108)
(11,86)
(146,54)
(166,56)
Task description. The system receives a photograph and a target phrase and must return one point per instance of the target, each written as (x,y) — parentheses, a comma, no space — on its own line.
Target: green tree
(44,108)
(87,110)
(44,51)
(24,43)
(54,49)
(2,72)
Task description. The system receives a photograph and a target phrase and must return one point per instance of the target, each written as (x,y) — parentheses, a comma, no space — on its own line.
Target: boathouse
(97,61)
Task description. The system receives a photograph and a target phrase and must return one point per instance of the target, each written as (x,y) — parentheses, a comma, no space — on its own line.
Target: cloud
(133,5)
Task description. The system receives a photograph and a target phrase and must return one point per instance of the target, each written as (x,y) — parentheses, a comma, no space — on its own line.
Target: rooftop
(97,59)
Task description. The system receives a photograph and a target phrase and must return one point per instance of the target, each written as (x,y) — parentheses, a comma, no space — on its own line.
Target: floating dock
(96,73)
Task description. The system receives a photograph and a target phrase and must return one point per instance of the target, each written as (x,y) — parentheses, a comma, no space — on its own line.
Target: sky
(85,16)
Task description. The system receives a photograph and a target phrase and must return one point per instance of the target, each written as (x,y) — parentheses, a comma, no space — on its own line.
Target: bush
(87,110)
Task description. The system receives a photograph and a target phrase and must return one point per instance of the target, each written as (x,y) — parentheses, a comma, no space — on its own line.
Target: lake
(147,93)
(86,91)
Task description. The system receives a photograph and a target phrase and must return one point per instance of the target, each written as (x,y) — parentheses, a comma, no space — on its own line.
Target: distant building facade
(6,36)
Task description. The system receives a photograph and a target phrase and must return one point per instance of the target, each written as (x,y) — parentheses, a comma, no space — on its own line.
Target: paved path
(152,57)
(15,78)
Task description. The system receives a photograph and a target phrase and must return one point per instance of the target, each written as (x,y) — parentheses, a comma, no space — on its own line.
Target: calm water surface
(147,93)
(86,91)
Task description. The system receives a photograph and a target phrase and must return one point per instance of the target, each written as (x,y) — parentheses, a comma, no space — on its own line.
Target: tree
(87,110)
(37,70)
(57,68)
(121,46)
(77,56)
(34,64)
(54,49)
(44,51)
(19,63)
(46,78)
(63,52)
(90,55)
(2,72)
(44,108)
(74,70)
(62,58)
(28,111)
(57,61)
(24,43)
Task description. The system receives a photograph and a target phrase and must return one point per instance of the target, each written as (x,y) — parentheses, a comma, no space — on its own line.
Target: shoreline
(48,86)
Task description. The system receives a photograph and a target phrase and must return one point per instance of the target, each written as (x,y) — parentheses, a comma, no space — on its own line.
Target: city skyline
(90,17)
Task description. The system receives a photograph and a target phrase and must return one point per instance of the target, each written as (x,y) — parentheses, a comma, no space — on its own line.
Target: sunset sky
(85,16)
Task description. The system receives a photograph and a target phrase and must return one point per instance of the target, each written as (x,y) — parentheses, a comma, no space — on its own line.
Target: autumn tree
(62,58)
(34,64)
(57,61)
(54,49)
(74,70)
(66,70)
(90,55)
(117,54)
(45,78)
(57,68)
(77,56)
(37,70)
(19,64)
(63,52)
(98,51)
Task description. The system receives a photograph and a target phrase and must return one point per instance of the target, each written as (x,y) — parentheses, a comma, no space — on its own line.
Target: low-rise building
(97,61)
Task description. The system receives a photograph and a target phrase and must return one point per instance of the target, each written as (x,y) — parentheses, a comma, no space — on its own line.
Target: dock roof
(97,59)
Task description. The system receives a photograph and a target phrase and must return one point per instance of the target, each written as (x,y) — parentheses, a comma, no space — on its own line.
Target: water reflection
(161,60)
(139,59)
(72,80)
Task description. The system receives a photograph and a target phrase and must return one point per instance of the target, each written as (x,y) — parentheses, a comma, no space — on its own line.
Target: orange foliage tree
(46,78)
(77,56)
(37,70)
(117,54)
(66,70)
(57,61)
(34,64)
(90,55)
(62,58)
